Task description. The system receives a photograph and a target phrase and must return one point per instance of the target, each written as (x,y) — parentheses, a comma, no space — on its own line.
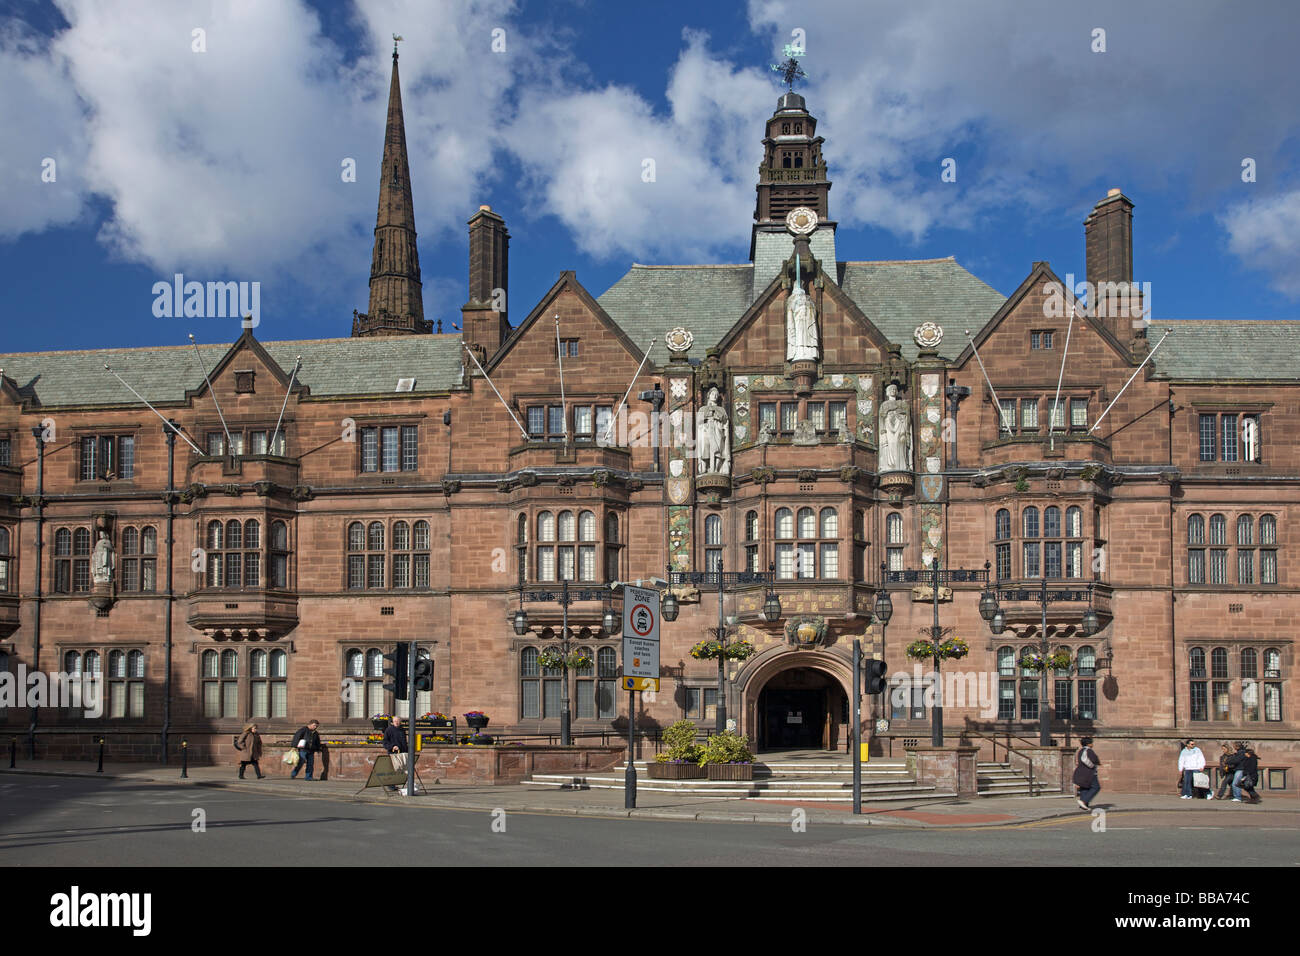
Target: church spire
(396,301)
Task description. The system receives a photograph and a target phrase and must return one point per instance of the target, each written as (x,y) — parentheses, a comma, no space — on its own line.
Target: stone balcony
(238,614)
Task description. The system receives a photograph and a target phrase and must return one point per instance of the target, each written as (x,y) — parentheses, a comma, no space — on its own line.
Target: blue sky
(225,164)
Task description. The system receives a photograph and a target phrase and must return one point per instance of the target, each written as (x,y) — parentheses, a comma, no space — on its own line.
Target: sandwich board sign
(640,632)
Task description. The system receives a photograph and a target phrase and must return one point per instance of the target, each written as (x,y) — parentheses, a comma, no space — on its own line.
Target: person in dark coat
(1085,773)
(250,746)
(1247,776)
(1225,772)
(307,743)
(394,739)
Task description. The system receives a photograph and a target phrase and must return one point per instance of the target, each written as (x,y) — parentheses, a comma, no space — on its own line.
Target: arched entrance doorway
(801,708)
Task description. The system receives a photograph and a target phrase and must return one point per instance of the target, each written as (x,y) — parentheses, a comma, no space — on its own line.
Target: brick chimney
(1108,242)
(484,315)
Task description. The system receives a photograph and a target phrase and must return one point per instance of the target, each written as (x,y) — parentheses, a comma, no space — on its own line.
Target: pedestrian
(1225,772)
(395,742)
(1085,773)
(307,742)
(250,746)
(1190,762)
(1246,777)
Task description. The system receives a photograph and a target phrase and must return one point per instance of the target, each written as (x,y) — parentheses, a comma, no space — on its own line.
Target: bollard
(185,759)
(13,751)
(100,768)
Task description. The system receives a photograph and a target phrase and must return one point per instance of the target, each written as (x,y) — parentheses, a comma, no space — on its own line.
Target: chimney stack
(484,315)
(1108,251)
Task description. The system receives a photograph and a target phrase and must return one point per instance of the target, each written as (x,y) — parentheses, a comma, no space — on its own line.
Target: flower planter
(674,771)
(378,724)
(431,723)
(476,723)
(731,771)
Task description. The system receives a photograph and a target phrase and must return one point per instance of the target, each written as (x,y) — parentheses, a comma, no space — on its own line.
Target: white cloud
(585,153)
(42,120)
(1265,234)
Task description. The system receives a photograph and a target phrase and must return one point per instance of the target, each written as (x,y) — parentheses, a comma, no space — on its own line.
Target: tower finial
(396,40)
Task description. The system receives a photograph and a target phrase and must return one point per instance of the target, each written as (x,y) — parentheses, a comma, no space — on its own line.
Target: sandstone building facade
(263,573)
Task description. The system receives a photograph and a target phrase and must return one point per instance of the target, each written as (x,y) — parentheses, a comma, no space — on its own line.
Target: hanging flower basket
(1034,661)
(952,649)
(380,721)
(553,661)
(476,719)
(712,650)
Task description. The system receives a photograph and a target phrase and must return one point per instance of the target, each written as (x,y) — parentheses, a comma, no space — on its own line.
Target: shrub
(680,738)
(727,747)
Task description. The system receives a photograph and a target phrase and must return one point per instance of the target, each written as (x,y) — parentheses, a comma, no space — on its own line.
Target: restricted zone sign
(640,632)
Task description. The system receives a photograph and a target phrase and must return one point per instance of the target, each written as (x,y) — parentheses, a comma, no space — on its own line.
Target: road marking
(1200,828)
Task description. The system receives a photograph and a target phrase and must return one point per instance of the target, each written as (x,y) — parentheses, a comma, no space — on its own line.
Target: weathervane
(396,39)
(790,70)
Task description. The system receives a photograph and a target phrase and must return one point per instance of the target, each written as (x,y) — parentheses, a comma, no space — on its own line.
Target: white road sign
(640,632)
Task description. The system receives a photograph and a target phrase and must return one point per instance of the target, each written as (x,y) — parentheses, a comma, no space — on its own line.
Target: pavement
(523,798)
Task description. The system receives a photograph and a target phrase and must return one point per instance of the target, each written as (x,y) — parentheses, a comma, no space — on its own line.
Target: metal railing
(1009,749)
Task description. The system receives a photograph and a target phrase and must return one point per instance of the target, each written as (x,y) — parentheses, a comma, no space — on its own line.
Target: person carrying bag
(1085,774)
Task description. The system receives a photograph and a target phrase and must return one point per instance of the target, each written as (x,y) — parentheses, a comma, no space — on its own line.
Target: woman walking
(250,746)
(1085,774)
(1247,776)
(1190,762)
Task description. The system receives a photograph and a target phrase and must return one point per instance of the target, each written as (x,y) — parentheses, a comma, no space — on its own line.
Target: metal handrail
(1010,750)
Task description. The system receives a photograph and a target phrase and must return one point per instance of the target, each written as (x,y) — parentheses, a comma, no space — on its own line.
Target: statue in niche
(895,433)
(103,561)
(800,324)
(713,437)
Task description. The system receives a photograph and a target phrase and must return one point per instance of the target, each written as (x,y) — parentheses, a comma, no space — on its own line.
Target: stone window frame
(215,445)
(599,409)
(1212,446)
(130,685)
(70,563)
(1022,401)
(772,407)
(371,677)
(219,548)
(1216,545)
(371,461)
(699,699)
(7,556)
(118,445)
(550,545)
(1069,520)
(799,542)
(1206,684)
(362,556)
(135,560)
(601,677)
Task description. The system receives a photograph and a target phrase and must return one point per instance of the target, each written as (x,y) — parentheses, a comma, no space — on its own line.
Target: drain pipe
(38,432)
(169,601)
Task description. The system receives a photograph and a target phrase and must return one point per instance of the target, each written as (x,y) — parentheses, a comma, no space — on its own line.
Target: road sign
(640,632)
(641,683)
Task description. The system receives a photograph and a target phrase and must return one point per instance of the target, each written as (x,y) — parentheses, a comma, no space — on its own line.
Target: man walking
(1085,774)
(395,743)
(307,742)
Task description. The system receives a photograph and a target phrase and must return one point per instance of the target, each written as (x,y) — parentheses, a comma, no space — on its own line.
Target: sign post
(857,725)
(640,660)
(410,724)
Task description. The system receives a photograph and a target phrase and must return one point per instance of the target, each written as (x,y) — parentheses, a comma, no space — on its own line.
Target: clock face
(801,221)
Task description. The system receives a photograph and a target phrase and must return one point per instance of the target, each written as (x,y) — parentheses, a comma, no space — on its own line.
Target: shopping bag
(290,757)
(1201,780)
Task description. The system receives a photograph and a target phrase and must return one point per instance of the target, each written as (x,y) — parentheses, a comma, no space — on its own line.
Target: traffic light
(874,672)
(398,671)
(423,673)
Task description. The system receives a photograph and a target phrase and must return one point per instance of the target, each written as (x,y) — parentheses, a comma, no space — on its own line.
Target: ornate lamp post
(722,581)
(1089,626)
(610,619)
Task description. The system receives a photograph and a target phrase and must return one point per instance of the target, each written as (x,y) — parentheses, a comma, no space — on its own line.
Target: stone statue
(103,561)
(895,433)
(800,325)
(713,437)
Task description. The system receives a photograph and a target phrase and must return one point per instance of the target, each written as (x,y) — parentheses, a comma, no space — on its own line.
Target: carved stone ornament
(764,475)
(850,473)
(264,488)
(505,484)
(928,335)
(679,339)
(600,478)
(302,493)
(635,484)
(801,221)
(807,475)
(564,481)
(805,630)
(450,486)
(805,433)
(231,490)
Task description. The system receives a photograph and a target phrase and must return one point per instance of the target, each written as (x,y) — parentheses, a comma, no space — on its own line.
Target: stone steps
(1004,780)
(800,790)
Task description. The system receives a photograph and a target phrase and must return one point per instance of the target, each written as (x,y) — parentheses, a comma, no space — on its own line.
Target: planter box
(674,771)
(731,771)
(380,725)
(476,723)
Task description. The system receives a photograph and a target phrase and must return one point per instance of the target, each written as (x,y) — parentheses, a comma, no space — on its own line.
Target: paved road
(81,822)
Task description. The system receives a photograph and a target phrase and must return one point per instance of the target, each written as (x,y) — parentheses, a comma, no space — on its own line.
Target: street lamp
(997,621)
